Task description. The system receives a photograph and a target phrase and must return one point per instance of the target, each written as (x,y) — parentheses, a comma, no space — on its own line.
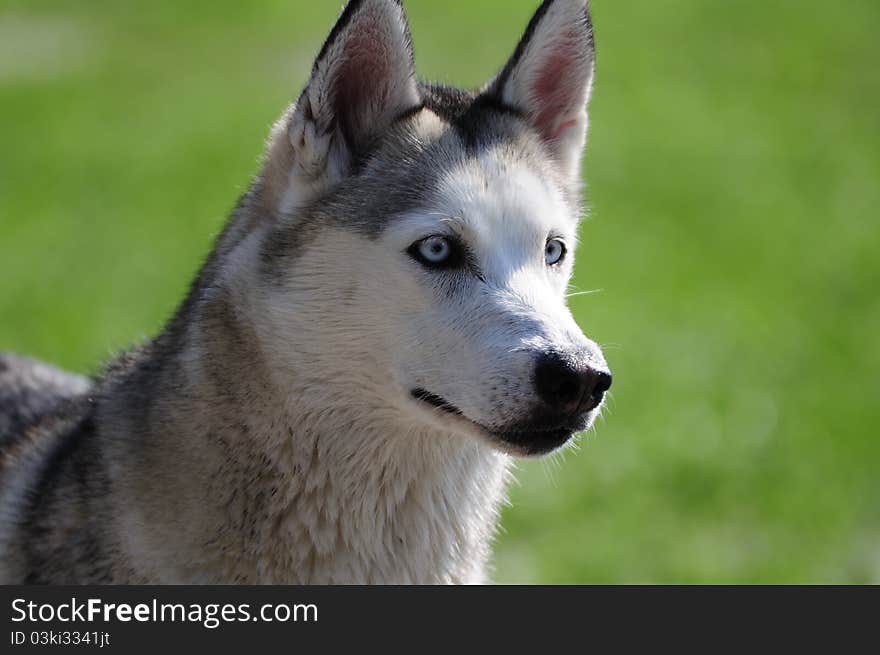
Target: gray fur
(30,390)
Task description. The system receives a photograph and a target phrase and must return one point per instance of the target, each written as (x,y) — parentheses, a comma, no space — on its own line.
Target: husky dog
(380,329)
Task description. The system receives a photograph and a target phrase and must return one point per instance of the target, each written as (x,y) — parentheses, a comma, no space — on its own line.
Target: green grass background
(734,185)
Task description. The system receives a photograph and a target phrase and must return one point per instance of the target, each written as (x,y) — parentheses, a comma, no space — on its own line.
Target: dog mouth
(434,400)
(537,437)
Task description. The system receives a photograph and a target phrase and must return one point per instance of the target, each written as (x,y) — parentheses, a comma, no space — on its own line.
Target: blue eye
(438,252)
(554,252)
(435,250)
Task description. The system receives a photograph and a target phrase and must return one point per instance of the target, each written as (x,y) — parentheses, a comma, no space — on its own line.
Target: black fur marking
(474,117)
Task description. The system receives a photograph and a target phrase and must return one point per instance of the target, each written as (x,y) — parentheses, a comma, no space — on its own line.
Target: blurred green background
(734,186)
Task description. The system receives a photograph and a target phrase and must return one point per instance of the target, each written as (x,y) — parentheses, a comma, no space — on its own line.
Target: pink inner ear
(556,88)
(362,80)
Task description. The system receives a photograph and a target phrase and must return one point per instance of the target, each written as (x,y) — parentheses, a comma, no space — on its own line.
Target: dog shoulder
(38,403)
(30,390)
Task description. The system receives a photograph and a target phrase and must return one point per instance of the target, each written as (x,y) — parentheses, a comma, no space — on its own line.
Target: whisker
(583,293)
(551,468)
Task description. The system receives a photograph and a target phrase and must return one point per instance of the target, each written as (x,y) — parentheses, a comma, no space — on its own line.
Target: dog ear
(550,75)
(362,80)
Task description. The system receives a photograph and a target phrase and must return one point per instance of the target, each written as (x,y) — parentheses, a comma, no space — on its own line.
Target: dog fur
(324,408)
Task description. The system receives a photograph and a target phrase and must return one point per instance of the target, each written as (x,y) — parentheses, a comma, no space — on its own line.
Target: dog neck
(240,479)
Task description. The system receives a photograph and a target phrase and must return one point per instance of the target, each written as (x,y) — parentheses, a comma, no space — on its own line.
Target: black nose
(568,386)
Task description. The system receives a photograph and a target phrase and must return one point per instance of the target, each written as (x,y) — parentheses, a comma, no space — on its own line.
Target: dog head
(416,241)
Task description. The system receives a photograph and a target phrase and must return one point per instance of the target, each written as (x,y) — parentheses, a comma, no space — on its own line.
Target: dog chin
(532,438)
